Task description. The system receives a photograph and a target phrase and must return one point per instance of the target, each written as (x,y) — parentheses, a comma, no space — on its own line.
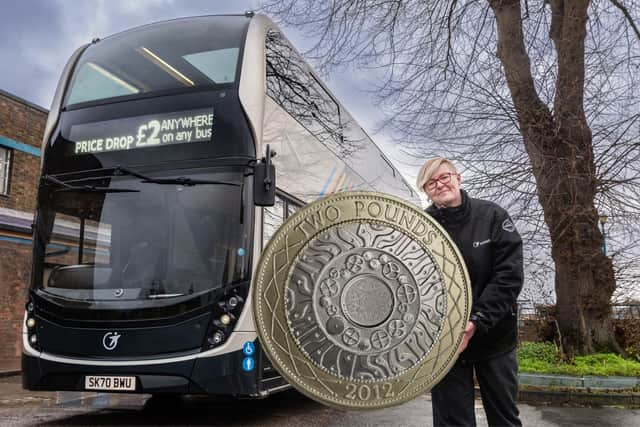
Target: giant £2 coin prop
(360,301)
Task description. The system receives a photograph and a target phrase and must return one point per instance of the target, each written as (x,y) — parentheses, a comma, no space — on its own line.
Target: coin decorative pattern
(378,307)
(360,300)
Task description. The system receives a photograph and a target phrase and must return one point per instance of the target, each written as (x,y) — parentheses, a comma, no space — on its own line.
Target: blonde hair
(428,169)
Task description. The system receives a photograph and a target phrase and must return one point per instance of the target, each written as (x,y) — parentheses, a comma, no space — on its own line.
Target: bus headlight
(217,337)
(225,319)
(224,315)
(220,329)
(234,301)
(33,339)
(31,322)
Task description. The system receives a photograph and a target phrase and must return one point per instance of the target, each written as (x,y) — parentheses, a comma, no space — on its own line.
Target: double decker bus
(157,196)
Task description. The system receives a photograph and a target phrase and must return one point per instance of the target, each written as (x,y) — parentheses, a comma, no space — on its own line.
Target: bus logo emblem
(119,292)
(110,340)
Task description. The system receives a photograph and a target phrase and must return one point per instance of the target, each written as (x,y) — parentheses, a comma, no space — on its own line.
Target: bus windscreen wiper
(85,188)
(186,181)
(120,171)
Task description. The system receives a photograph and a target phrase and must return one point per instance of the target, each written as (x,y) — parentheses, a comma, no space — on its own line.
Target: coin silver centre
(367,301)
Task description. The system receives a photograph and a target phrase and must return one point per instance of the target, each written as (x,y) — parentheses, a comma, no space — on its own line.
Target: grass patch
(544,358)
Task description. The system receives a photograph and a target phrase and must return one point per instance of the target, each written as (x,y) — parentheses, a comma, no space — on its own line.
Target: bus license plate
(94,382)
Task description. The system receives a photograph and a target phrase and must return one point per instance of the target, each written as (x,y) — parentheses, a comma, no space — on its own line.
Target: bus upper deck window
(173,55)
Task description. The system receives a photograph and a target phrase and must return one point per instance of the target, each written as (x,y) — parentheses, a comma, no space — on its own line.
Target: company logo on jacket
(484,242)
(507,225)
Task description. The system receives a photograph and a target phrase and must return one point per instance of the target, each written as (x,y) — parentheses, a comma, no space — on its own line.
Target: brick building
(21,128)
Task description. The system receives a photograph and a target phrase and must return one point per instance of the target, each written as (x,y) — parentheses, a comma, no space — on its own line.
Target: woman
(492,250)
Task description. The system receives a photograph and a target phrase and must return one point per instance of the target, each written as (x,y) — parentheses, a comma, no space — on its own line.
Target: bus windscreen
(123,238)
(174,55)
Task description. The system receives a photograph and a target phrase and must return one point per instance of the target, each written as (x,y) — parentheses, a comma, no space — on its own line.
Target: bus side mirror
(264,181)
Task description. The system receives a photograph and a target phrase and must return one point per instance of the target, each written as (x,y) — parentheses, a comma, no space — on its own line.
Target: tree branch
(517,67)
(557,14)
(452,9)
(627,15)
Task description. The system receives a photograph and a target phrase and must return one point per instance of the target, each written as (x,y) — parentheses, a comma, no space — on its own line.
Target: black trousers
(453,398)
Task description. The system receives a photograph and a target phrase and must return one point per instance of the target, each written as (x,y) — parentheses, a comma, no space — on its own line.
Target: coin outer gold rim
(273,272)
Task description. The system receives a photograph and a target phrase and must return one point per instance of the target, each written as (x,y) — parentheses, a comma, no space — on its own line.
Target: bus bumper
(219,375)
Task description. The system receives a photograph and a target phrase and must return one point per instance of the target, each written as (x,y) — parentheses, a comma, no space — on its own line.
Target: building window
(5,164)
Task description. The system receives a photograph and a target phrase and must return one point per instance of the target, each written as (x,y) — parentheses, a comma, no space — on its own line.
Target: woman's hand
(469,330)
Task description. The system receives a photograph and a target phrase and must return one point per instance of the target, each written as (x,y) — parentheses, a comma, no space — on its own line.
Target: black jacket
(492,250)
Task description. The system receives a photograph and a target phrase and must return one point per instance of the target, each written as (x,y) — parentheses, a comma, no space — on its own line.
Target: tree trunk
(560,150)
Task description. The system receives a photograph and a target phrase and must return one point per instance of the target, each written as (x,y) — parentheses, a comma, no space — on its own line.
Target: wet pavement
(25,408)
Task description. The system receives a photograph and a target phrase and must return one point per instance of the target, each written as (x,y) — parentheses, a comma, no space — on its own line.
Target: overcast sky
(38,36)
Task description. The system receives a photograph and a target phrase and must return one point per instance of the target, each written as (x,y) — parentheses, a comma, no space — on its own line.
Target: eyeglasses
(445,178)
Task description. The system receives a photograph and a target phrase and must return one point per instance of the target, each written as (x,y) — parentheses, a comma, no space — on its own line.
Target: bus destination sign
(143,131)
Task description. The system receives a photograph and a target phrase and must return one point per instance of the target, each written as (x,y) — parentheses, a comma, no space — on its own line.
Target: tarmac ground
(19,407)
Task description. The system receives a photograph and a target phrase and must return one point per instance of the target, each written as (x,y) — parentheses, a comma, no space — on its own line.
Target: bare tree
(536,99)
